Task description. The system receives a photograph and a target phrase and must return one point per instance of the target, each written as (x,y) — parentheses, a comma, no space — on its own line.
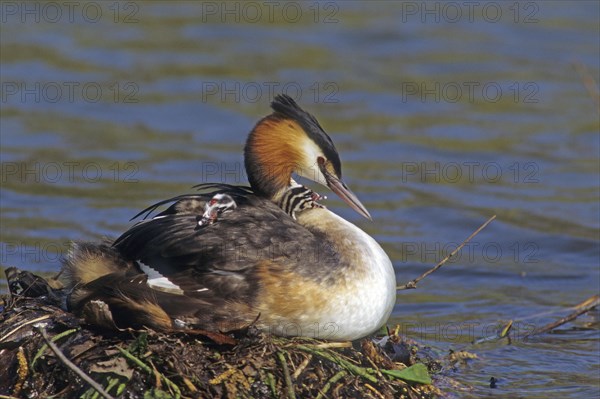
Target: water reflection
(442,117)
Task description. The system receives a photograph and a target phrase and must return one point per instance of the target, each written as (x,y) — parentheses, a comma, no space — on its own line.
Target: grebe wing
(222,257)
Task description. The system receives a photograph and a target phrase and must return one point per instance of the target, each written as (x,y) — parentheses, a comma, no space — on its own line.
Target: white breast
(370,284)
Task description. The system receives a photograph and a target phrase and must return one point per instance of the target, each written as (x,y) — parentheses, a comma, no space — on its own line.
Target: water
(443,115)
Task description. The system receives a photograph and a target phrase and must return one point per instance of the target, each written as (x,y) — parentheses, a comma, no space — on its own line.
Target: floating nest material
(47,352)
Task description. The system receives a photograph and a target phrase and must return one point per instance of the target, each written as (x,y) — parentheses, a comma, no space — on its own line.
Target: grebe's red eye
(212,201)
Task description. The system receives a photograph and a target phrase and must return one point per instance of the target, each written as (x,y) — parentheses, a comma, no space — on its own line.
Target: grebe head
(291,140)
(213,208)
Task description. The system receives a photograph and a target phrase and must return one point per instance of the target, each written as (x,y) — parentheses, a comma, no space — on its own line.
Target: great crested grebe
(228,257)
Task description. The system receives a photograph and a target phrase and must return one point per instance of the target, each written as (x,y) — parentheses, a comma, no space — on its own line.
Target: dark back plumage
(220,254)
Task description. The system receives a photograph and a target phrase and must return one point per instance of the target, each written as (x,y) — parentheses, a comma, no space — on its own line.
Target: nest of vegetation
(47,352)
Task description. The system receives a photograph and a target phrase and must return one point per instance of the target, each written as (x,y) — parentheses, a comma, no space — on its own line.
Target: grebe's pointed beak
(340,188)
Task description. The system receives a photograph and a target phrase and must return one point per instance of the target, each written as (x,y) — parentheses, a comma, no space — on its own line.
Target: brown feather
(87,261)
(129,302)
(273,152)
(281,292)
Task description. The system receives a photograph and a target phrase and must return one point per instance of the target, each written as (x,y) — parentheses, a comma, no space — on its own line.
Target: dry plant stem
(413,284)
(286,374)
(14,330)
(588,81)
(332,380)
(327,345)
(41,351)
(582,308)
(72,366)
(189,384)
(550,312)
(354,369)
(149,370)
(579,309)
(301,367)
(375,391)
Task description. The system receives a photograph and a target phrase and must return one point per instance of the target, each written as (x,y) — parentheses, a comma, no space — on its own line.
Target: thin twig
(302,366)
(588,81)
(41,351)
(72,366)
(583,307)
(551,312)
(503,333)
(413,284)
(14,330)
(327,345)
(375,391)
(189,384)
(580,309)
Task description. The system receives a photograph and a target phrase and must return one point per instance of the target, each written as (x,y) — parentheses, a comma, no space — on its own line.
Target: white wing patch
(159,282)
